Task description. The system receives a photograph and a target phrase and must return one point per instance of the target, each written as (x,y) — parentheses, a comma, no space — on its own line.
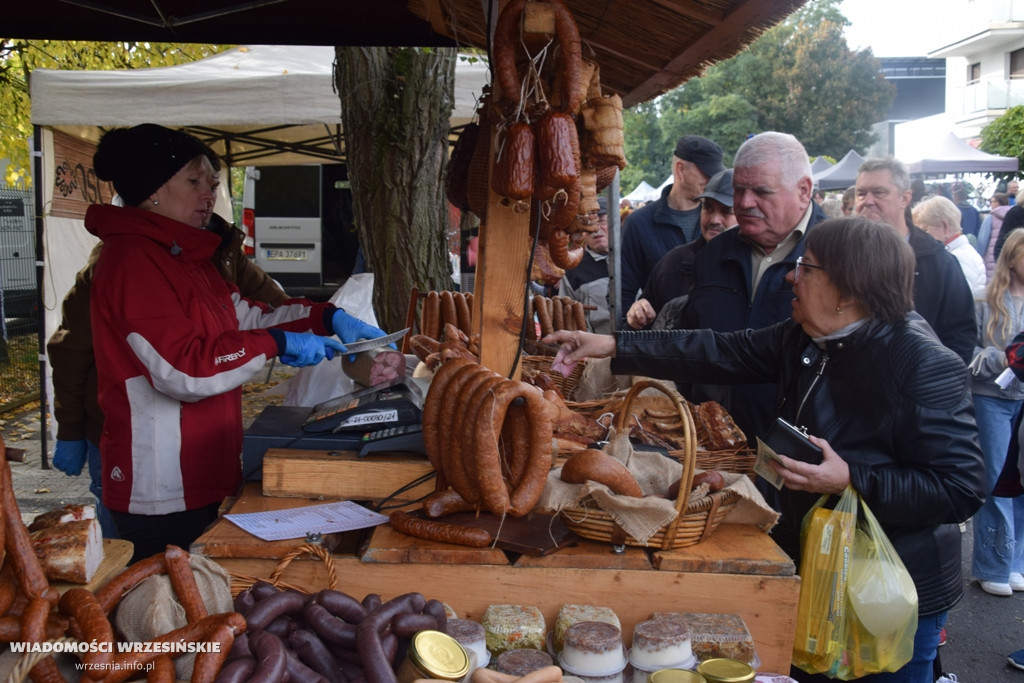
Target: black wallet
(785,439)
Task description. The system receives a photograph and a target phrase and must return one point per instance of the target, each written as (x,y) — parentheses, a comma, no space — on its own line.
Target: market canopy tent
(950,154)
(820,164)
(842,175)
(643,193)
(254,105)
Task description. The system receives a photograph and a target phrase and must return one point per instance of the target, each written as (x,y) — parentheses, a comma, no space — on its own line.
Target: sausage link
(543,315)
(447,306)
(270,608)
(111,594)
(330,628)
(432,405)
(465,450)
(209,662)
(463,313)
(580,315)
(435,608)
(377,665)
(314,654)
(237,670)
(557,319)
(443,532)
(446,502)
(20,554)
(81,605)
(341,605)
(295,670)
(183,581)
(455,403)
(271,659)
(431,317)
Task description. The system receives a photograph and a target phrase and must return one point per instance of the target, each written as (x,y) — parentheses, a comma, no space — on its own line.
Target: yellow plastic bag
(857,613)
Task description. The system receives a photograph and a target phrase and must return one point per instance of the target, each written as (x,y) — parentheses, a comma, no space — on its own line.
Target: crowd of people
(879,319)
(868,318)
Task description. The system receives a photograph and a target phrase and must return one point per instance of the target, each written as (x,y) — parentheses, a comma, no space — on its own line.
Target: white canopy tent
(254,105)
(950,154)
(643,193)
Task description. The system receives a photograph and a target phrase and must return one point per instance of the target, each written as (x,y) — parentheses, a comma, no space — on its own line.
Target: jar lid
(438,655)
(675,676)
(722,670)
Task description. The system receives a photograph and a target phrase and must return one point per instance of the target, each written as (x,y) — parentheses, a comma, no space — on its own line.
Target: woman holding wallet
(888,404)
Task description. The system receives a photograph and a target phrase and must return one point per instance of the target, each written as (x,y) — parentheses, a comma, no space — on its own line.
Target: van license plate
(287,255)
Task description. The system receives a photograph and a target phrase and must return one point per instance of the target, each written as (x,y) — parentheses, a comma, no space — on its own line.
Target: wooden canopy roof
(644,47)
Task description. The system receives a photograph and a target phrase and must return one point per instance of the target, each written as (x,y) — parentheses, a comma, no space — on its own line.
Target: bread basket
(694,521)
(241,582)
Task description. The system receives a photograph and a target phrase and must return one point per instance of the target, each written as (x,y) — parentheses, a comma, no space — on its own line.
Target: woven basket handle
(688,456)
(307,549)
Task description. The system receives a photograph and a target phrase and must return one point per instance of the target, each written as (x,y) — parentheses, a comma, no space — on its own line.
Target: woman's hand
(575,346)
(831,476)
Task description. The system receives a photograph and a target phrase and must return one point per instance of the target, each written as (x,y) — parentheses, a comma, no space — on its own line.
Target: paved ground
(982,628)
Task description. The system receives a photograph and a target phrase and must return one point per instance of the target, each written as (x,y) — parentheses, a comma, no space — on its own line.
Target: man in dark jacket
(672,220)
(739,277)
(941,293)
(672,277)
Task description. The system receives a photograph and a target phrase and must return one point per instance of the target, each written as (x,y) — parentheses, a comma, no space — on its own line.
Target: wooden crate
(739,570)
(293,473)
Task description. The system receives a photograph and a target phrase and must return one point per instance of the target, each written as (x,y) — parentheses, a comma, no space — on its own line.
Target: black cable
(422,479)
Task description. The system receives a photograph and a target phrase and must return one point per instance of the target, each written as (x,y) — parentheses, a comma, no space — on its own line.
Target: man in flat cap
(674,219)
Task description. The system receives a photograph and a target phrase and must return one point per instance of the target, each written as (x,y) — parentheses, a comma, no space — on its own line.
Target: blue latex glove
(69,456)
(302,349)
(350,328)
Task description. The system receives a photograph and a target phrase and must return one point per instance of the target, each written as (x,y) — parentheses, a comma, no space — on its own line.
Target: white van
(298,222)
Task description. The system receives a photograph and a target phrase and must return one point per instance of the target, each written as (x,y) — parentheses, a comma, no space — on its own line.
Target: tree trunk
(395,104)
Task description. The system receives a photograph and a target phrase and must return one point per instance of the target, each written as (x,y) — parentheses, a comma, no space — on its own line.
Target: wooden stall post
(502,274)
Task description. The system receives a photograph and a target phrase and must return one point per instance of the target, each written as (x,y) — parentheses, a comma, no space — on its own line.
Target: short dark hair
(868,261)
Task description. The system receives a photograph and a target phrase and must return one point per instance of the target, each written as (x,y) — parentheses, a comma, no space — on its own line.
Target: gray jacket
(989,359)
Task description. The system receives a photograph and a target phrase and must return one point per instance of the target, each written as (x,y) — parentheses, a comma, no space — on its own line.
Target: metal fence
(19,314)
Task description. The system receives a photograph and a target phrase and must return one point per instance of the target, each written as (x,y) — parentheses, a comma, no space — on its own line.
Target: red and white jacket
(174,342)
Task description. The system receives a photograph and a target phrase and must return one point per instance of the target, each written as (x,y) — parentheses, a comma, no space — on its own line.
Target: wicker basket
(694,520)
(542,365)
(736,460)
(241,582)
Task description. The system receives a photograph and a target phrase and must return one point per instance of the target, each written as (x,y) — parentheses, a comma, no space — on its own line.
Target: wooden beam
(743,16)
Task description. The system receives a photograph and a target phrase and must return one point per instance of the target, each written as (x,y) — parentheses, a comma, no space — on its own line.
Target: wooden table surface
(737,570)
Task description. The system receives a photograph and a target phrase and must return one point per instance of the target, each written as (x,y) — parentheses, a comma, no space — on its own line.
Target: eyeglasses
(801,263)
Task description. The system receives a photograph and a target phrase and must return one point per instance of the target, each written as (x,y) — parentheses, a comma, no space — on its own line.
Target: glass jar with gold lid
(722,670)
(675,676)
(433,654)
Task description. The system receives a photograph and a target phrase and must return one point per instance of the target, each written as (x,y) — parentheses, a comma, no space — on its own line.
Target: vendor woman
(174,342)
(887,403)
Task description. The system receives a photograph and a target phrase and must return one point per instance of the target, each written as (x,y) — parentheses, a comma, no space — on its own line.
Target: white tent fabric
(950,154)
(275,104)
(666,183)
(840,176)
(643,193)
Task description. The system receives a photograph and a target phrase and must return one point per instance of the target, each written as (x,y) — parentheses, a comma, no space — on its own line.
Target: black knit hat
(139,160)
(700,151)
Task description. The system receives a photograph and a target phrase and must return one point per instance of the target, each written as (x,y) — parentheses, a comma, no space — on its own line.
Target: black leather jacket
(891,400)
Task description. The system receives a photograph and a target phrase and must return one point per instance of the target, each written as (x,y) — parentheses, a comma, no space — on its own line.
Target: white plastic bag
(326,380)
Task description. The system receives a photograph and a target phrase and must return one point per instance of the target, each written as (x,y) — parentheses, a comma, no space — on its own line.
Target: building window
(1017,63)
(974,73)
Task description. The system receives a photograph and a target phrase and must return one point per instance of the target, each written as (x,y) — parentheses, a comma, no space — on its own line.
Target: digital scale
(381,418)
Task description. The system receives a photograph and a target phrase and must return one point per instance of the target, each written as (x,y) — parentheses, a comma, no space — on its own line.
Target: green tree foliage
(799,77)
(18,58)
(1005,136)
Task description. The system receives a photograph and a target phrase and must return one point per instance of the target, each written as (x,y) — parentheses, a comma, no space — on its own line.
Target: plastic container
(642,675)
(571,614)
(522,661)
(436,655)
(660,644)
(722,670)
(593,648)
(716,636)
(507,627)
(470,635)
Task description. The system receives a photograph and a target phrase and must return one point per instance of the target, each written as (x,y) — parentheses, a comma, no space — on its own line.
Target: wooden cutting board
(534,535)
(116,554)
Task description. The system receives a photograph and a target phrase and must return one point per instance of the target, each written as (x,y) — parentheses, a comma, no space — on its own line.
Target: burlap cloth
(151,609)
(641,518)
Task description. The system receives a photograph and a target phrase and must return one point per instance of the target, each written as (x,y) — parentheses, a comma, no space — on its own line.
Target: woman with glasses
(887,403)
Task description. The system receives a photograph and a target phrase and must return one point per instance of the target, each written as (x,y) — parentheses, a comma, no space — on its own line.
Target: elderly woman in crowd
(174,342)
(940,218)
(887,403)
